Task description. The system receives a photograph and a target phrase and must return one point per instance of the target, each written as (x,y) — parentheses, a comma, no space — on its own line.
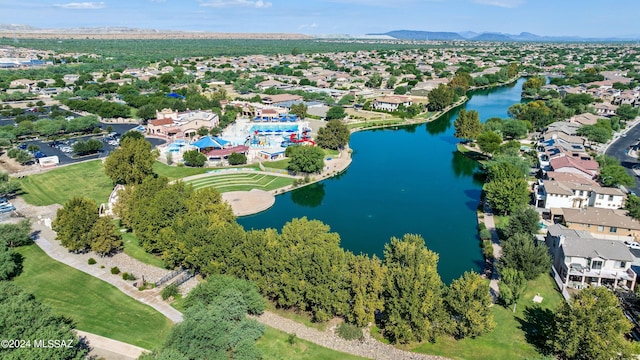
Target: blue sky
(587,18)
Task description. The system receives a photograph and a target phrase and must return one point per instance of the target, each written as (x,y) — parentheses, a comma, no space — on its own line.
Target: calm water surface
(407,180)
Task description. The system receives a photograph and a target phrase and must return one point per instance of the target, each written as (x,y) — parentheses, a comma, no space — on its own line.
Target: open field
(94,305)
(241,182)
(59,185)
(508,340)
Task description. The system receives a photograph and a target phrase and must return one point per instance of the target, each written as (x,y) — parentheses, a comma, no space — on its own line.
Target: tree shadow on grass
(537,324)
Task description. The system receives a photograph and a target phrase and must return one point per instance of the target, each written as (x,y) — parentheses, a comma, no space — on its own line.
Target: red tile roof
(160,122)
(227,151)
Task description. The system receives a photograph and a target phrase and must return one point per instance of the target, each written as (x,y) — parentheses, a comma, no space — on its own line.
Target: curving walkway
(105,348)
(494,288)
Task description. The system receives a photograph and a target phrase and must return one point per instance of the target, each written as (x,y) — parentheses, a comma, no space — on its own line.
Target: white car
(632,245)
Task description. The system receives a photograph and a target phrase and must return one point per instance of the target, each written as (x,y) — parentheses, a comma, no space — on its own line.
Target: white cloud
(307,26)
(259,4)
(81,5)
(501,3)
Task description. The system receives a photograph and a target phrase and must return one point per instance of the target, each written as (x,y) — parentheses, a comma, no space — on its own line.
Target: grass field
(278,164)
(241,182)
(274,345)
(507,341)
(94,305)
(178,172)
(59,185)
(133,249)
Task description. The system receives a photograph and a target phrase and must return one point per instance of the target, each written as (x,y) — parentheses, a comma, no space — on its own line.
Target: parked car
(632,245)
(23,146)
(39,154)
(7,208)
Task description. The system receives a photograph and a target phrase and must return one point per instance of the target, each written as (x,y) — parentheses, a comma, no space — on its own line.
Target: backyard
(508,340)
(93,304)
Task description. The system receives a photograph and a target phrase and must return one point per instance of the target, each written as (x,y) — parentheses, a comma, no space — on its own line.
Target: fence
(168,277)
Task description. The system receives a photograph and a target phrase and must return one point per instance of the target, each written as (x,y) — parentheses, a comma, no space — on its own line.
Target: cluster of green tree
(612,174)
(627,112)
(194,158)
(215,323)
(505,74)
(441,97)
(132,161)
(17,96)
(79,228)
(489,136)
(334,135)
(583,77)
(50,127)
(237,159)
(532,89)
(26,318)
(105,109)
(306,159)
(601,132)
(8,185)
(541,113)
(506,187)
(19,155)
(87,147)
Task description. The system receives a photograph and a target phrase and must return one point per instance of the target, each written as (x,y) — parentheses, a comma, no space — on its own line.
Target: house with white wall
(581,260)
(577,195)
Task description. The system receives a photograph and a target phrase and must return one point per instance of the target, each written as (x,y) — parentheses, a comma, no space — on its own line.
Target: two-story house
(577,195)
(580,260)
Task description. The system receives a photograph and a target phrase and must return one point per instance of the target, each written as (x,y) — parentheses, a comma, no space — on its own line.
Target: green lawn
(133,249)
(274,345)
(94,305)
(59,185)
(507,341)
(178,172)
(241,182)
(278,164)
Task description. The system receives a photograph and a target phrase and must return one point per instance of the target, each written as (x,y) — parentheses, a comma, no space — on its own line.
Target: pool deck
(249,202)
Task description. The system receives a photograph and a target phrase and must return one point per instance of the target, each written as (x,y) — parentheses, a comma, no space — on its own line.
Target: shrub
(481,226)
(91,261)
(487,249)
(292,338)
(170,291)
(485,234)
(127,276)
(349,332)
(115,270)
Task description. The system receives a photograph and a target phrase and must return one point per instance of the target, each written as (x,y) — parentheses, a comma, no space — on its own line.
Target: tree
(595,133)
(300,110)
(365,276)
(536,112)
(210,291)
(336,113)
(632,205)
(73,223)
(23,157)
(534,82)
(489,142)
(515,129)
(194,158)
(506,190)
(335,135)
(131,162)
(104,238)
(237,159)
(412,291)
(467,125)
(8,185)
(218,331)
(14,235)
(522,221)
(24,317)
(440,97)
(87,147)
(616,175)
(374,81)
(512,286)
(592,326)
(10,263)
(203,131)
(467,301)
(308,159)
(132,134)
(627,112)
(520,252)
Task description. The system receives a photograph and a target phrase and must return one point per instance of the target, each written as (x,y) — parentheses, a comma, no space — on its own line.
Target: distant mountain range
(490,36)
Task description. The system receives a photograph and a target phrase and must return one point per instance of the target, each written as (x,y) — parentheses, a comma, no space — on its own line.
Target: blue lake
(406,180)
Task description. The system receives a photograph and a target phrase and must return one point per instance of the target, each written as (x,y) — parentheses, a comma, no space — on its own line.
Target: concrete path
(102,347)
(59,253)
(489,222)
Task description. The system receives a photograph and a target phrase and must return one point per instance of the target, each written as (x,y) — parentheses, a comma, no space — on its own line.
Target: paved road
(620,147)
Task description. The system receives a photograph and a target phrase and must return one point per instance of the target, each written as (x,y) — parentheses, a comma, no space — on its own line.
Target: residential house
(606,109)
(280,98)
(391,103)
(580,260)
(600,221)
(577,195)
(584,119)
(586,168)
(423,88)
(70,78)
